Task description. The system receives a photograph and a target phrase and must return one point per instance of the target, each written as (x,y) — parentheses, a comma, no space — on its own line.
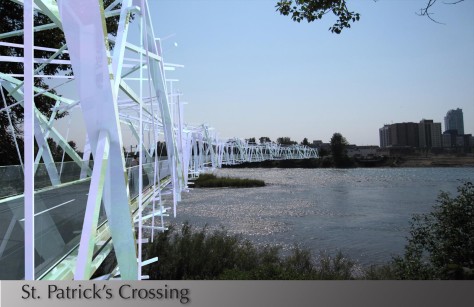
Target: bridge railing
(59,215)
(12,179)
(60,208)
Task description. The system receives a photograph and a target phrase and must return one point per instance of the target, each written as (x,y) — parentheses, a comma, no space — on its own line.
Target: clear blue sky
(250,72)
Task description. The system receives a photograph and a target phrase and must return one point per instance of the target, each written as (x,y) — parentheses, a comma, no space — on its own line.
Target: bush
(190,254)
(211,181)
(441,243)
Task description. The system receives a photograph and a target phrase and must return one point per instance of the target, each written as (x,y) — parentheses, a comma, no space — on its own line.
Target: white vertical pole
(173,161)
(140,159)
(29,141)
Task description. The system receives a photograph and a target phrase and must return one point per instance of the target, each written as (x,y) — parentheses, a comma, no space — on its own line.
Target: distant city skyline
(454,120)
(250,72)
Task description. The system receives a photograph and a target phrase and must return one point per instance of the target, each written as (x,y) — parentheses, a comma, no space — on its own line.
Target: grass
(212,181)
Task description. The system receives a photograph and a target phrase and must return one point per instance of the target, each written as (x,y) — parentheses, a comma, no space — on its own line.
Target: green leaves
(441,243)
(338,150)
(311,10)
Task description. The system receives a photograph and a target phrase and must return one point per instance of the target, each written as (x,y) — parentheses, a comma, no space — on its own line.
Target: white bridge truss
(121,88)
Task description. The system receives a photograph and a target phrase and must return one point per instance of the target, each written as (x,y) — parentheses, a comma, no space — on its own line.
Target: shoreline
(396,162)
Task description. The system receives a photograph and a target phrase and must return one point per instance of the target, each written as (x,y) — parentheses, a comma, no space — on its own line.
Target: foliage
(211,181)
(322,152)
(441,243)
(311,10)
(251,141)
(380,272)
(190,254)
(285,141)
(264,139)
(287,163)
(161,149)
(12,20)
(305,142)
(440,246)
(57,151)
(338,150)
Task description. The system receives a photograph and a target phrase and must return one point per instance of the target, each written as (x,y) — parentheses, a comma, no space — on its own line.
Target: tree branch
(312,10)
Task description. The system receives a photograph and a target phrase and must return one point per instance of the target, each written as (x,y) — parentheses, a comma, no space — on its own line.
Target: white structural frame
(124,87)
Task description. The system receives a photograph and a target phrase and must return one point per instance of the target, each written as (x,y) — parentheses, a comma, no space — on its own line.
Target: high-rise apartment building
(429,134)
(385,136)
(399,135)
(454,121)
(405,134)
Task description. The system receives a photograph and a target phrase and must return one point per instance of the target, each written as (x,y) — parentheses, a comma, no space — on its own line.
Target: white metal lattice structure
(121,87)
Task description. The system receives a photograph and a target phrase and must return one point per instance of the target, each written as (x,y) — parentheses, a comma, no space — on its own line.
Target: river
(363,212)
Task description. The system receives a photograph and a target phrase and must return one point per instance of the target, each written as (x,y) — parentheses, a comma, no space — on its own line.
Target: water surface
(364,213)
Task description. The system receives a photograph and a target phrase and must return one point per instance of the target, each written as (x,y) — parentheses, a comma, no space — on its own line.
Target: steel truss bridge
(59,220)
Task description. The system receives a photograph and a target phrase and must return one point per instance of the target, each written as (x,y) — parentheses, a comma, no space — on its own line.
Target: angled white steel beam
(56,54)
(138,50)
(36,89)
(91,216)
(44,122)
(50,9)
(46,130)
(21,32)
(46,153)
(84,28)
(48,26)
(119,51)
(159,84)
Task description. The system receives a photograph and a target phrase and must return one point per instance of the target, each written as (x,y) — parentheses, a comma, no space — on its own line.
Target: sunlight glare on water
(364,213)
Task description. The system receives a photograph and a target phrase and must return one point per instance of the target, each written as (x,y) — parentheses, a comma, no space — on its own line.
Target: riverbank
(435,161)
(399,161)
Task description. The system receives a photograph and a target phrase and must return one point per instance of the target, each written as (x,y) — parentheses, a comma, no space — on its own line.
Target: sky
(251,72)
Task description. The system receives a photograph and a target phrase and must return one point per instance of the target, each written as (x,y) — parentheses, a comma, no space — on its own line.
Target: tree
(265,139)
(322,152)
(251,141)
(305,142)
(441,243)
(162,151)
(57,151)
(338,150)
(311,10)
(285,141)
(12,20)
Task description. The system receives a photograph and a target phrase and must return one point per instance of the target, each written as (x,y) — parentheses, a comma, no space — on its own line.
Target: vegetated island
(212,181)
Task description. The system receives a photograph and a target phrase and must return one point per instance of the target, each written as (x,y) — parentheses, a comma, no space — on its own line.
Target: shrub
(190,254)
(441,243)
(211,181)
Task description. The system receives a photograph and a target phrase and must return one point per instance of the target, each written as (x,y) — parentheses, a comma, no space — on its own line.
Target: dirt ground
(436,160)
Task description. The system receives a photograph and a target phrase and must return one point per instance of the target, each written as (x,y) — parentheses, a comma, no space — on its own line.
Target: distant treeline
(325,162)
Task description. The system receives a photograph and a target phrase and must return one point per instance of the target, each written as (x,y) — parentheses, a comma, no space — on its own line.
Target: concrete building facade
(429,134)
(399,135)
